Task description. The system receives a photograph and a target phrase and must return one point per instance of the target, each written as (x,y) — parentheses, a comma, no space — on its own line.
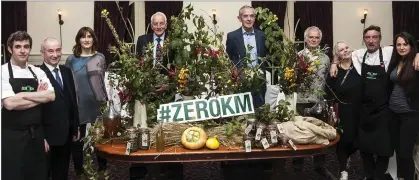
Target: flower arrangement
(296,71)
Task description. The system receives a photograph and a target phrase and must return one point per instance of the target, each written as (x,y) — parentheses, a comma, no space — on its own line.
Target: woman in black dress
(345,89)
(404,102)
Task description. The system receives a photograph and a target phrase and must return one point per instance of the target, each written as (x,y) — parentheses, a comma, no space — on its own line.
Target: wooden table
(116,151)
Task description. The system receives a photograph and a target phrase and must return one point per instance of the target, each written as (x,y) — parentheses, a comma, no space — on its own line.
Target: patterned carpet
(212,170)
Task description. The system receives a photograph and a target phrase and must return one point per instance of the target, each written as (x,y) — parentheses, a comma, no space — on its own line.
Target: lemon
(212,143)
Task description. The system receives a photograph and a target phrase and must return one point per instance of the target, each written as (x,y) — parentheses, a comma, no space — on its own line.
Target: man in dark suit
(158,25)
(240,39)
(237,47)
(60,117)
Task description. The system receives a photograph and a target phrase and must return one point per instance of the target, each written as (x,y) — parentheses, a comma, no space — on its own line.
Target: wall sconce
(214,14)
(60,21)
(365,16)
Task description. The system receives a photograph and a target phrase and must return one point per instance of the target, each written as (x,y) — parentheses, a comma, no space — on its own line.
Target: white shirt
(371,58)
(6,88)
(51,68)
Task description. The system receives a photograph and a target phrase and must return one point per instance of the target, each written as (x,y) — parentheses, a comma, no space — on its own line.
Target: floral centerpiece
(296,71)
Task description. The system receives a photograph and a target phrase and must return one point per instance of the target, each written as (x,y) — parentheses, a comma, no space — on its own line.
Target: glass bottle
(260,128)
(160,140)
(251,122)
(111,120)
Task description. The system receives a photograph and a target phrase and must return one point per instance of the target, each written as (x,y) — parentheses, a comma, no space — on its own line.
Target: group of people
(377,91)
(47,109)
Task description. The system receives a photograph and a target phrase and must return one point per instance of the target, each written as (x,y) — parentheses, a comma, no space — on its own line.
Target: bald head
(51,51)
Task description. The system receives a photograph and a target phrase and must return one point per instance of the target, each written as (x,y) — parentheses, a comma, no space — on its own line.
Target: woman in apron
(404,102)
(23,153)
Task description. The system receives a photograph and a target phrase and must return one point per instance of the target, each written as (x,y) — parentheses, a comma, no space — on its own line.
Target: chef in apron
(376,117)
(24,89)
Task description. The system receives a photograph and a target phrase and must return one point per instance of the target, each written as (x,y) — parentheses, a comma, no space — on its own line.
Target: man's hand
(42,86)
(161,88)
(46,145)
(76,138)
(416,62)
(333,67)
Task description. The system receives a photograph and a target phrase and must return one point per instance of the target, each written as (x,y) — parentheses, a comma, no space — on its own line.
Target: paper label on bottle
(292,145)
(128,149)
(265,143)
(144,139)
(274,137)
(258,134)
(248,146)
(248,129)
(280,128)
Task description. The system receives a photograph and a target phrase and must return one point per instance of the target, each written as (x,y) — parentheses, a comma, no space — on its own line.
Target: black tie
(57,78)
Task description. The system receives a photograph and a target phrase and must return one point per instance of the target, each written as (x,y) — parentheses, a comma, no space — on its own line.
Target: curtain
(14,15)
(102,31)
(277,7)
(315,13)
(169,8)
(406,17)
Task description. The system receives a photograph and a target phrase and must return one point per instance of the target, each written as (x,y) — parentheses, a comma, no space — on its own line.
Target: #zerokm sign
(205,109)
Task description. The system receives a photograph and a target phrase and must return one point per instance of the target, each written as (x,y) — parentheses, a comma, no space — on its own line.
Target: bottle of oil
(160,139)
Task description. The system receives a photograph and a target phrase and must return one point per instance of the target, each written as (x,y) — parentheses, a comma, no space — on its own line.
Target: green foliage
(280,114)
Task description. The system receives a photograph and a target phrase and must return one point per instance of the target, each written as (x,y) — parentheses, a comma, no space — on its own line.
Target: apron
(374,130)
(23,151)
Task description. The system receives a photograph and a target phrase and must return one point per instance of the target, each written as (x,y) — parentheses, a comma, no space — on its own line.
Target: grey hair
(312,28)
(48,39)
(158,13)
(244,7)
(336,50)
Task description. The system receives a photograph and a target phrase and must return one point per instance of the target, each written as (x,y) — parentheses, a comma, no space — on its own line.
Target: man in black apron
(24,89)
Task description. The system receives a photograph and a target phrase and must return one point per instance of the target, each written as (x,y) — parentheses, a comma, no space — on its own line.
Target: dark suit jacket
(236,49)
(142,43)
(61,116)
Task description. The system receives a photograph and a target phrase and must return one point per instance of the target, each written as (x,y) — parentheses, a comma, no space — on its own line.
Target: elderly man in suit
(238,42)
(158,25)
(60,117)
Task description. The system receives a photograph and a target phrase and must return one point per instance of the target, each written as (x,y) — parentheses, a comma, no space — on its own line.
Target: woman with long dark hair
(404,102)
(88,67)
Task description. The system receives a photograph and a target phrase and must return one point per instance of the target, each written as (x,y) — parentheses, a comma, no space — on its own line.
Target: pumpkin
(194,138)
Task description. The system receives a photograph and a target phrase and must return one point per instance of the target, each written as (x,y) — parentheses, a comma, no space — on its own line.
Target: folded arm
(17,102)
(40,96)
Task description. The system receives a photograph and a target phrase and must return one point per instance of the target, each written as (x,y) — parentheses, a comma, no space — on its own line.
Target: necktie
(158,51)
(57,78)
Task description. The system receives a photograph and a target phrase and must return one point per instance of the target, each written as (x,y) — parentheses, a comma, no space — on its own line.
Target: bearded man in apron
(24,88)
(375,127)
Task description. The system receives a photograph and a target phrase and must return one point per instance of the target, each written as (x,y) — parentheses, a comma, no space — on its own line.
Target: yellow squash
(194,138)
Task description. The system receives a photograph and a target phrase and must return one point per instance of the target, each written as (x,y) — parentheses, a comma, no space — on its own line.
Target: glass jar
(133,145)
(251,122)
(271,134)
(249,137)
(283,140)
(144,139)
(132,133)
(260,128)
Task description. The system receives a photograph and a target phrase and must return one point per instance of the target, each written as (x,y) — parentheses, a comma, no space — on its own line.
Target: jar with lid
(260,128)
(133,145)
(132,133)
(283,140)
(144,139)
(271,134)
(250,138)
(252,123)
